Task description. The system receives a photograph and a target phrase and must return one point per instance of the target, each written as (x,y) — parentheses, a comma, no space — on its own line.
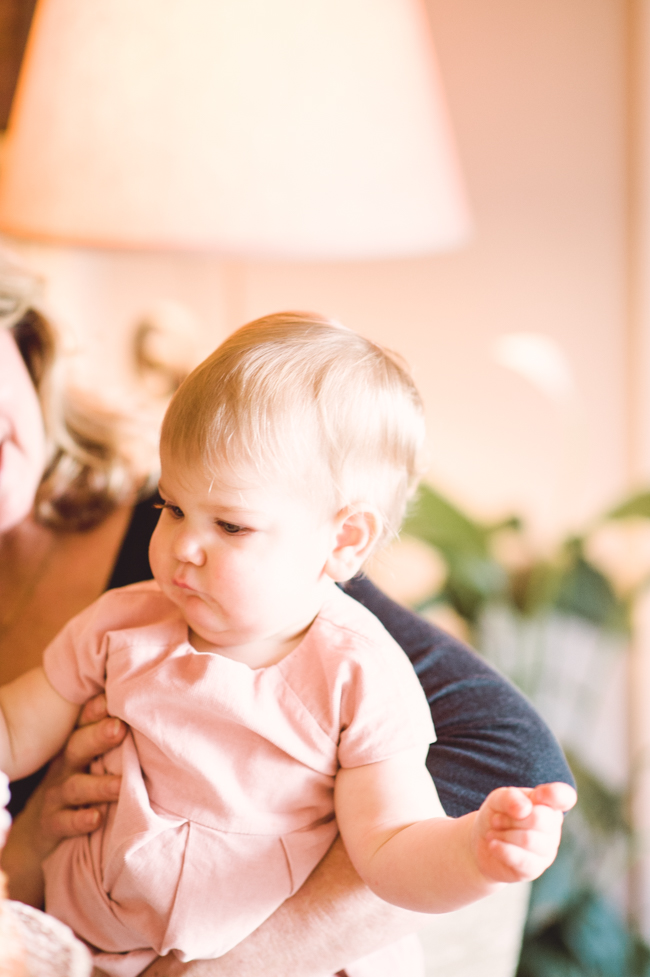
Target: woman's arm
(331,921)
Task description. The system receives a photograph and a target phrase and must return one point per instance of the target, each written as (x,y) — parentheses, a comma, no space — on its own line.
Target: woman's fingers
(82,789)
(69,794)
(68,810)
(67,822)
(87,742)
(93,710)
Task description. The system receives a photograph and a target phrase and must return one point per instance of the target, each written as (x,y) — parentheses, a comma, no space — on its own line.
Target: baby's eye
(173,509)
(231,529)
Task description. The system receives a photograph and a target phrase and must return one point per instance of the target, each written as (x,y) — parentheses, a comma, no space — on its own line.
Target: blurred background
(525,316)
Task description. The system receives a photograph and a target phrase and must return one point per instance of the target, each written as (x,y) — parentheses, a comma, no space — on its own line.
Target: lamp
(309,129)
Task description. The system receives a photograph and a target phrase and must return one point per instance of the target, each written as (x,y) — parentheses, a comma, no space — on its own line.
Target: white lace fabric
(33,944)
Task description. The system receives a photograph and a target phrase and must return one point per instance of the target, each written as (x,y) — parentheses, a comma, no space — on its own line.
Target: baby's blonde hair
(299,395)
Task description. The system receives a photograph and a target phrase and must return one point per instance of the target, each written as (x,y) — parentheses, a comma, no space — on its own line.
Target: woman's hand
(68,802)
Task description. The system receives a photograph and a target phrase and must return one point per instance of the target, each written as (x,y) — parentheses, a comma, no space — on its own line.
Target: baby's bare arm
(35,722)
(427,863)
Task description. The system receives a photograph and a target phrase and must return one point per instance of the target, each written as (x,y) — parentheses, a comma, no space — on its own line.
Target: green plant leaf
(472,581)
(636,505)
(598,938)
(555,892)
(474,576)
(546,958)
(603,809)
(584,591)
(534,588)
(438,522)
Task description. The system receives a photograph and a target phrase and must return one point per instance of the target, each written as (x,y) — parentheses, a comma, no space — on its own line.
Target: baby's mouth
(183,586)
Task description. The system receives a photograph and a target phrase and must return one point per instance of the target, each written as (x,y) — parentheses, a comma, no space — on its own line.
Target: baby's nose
(188,549)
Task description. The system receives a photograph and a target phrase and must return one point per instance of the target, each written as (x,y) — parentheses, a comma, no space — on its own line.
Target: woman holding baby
(70,528)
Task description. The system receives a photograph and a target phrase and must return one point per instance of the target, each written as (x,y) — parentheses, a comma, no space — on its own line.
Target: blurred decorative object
(33,944)
(559,626)
(166,348)
(49,949)
(620,548)
(15,18)
(539,359)
(289,129)
(408,570)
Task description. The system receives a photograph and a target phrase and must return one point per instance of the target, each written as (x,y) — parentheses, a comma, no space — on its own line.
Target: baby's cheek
(157,557)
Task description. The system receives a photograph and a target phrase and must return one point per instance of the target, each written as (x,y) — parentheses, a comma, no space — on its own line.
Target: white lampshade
(310,129)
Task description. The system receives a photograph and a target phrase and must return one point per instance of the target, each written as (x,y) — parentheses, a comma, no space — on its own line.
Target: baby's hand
(517,830)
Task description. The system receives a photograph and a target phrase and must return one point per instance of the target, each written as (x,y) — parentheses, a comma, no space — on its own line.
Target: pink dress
(226,803)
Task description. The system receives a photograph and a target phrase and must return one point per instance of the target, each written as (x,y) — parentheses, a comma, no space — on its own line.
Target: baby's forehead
(193,471)
(244,479)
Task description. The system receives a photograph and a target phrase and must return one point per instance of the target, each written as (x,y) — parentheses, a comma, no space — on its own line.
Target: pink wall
(536,93)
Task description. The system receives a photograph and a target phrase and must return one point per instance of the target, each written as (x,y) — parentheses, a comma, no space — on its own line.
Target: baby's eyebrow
(232,510)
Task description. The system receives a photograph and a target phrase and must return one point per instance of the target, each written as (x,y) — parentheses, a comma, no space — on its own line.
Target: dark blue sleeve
(489,735)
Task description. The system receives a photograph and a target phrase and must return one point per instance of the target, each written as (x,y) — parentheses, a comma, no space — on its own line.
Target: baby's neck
(257,654)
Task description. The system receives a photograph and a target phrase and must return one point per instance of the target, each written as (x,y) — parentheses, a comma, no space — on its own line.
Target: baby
(266,709)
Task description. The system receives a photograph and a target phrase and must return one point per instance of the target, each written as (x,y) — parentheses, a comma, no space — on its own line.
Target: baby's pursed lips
(181,584)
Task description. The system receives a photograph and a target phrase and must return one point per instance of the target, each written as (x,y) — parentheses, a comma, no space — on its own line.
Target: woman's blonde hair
(300,395)
(88,471)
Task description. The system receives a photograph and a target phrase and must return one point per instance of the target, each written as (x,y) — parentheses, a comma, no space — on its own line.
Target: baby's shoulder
(346,631)
(351,627)
(358,683)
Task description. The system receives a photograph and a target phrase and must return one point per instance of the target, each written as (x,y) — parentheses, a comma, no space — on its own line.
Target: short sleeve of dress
(75,661)
(383,708)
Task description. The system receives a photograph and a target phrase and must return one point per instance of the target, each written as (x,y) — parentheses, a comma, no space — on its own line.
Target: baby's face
(245,562)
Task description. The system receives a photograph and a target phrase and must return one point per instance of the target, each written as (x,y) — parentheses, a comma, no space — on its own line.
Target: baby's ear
(357,530)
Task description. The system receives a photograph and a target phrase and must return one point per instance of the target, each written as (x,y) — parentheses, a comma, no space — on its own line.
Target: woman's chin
(13,509)
(18,485)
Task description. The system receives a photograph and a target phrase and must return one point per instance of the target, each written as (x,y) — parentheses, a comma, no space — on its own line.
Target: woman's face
(22,435)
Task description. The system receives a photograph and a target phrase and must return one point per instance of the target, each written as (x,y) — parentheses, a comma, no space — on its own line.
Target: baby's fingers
(559,796)
(514,863)
(511,802)
(543,844)
(540,818)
